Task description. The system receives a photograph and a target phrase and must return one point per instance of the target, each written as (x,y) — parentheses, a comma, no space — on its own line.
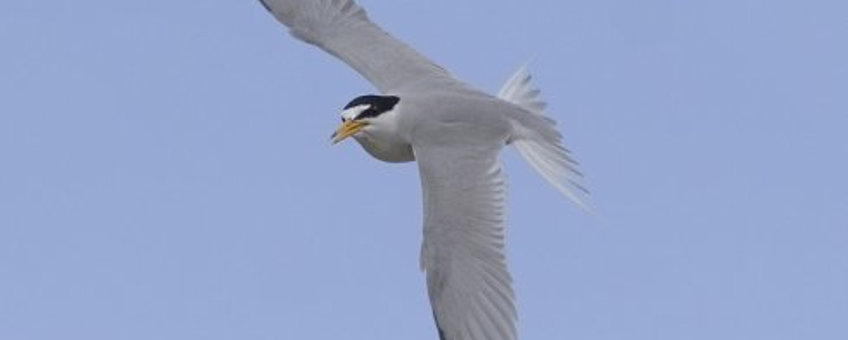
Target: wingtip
(439,327)
(264,4)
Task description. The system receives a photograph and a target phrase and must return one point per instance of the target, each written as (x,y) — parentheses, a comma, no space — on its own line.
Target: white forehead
(354,111)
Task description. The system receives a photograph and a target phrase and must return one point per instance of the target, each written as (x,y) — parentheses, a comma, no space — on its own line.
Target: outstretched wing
(463,250)
(343,29)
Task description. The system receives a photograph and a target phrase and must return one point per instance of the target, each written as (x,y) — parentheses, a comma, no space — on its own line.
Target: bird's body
(455,133)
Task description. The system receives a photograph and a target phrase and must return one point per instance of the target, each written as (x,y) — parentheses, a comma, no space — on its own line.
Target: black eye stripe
(375,105)
(368,113)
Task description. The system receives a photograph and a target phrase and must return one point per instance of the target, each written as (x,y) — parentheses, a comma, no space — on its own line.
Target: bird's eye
(368,113)
(343,120)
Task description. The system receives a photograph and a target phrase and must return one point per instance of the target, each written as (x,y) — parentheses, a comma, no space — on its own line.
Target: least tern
(455,133)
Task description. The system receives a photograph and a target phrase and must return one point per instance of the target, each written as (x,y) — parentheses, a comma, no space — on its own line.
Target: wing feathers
(463,250)
(342,28)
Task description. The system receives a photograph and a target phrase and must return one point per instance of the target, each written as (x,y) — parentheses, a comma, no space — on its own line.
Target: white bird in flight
(455,133)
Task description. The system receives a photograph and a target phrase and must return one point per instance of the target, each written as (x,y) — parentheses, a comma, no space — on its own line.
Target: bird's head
(362,114)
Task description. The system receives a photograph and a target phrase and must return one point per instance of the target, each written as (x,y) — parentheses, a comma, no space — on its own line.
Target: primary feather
(463,250)
(343,29)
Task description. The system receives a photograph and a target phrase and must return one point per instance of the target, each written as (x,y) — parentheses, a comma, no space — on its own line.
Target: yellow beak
(347,129)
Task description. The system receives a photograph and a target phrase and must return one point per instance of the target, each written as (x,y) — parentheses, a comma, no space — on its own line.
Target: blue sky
(165,172)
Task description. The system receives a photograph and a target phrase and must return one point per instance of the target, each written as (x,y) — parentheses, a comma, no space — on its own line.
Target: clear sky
(165,172)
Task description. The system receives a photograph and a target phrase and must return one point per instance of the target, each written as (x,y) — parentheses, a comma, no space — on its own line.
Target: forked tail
(538,141)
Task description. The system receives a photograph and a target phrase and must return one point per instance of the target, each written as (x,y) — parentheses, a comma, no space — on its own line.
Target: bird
(454,132)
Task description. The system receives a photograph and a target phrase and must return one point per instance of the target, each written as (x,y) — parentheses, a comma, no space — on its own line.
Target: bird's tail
(537,140)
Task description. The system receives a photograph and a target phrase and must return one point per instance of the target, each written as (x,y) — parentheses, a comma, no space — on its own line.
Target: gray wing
(463,250)
(343,29)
